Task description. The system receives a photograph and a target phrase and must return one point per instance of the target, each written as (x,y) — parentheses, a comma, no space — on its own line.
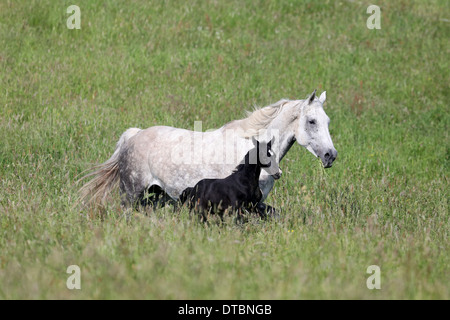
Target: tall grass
(67,95)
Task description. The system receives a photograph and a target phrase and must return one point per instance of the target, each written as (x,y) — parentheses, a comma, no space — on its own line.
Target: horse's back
(175,158)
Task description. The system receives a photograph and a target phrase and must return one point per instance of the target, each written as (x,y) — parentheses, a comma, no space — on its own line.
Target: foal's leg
(239,215)
(200,207)
(203,214)
(152,196)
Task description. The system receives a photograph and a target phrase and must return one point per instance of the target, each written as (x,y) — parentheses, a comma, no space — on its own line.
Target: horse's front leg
(266,183)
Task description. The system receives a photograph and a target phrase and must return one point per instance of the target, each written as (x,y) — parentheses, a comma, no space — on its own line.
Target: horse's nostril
(327,155)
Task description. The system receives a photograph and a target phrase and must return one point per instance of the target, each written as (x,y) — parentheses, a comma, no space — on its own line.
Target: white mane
(258,119)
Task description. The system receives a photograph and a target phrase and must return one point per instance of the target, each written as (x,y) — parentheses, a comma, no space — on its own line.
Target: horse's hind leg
(131,191)
(132,178)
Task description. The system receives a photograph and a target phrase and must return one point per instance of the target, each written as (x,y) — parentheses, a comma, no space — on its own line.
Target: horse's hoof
(272,212)
(266,211)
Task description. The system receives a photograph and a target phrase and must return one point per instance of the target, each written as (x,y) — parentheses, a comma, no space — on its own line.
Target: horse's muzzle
(329,157)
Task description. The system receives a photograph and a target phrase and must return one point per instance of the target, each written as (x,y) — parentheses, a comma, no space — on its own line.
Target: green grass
(67,95)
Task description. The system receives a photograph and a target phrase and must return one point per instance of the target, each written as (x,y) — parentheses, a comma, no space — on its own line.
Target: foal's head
(264,157)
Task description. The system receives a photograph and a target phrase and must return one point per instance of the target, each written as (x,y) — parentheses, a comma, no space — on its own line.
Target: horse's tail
(105,175)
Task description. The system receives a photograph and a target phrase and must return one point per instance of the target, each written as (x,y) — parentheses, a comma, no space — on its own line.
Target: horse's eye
(312,122)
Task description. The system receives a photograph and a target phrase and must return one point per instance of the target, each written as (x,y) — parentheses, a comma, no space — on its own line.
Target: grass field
(66,96)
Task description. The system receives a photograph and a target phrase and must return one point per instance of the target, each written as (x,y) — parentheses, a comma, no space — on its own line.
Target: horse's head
(267,158)
(311,129)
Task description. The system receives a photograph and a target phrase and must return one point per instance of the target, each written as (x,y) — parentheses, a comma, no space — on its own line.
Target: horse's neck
(284,126)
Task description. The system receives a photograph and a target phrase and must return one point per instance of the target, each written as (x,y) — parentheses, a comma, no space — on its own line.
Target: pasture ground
(67,95)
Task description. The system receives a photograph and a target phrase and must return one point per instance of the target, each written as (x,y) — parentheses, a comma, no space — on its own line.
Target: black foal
(238,191)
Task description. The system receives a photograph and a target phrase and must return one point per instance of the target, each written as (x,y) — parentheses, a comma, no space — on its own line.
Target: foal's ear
(323,97)
(311,97)
(255,142)
(269,144)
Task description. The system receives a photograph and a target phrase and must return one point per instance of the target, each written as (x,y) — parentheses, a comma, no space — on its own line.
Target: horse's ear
(311,97)
(323,97)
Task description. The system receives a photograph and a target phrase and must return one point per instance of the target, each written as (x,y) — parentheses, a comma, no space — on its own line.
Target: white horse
(166,160)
